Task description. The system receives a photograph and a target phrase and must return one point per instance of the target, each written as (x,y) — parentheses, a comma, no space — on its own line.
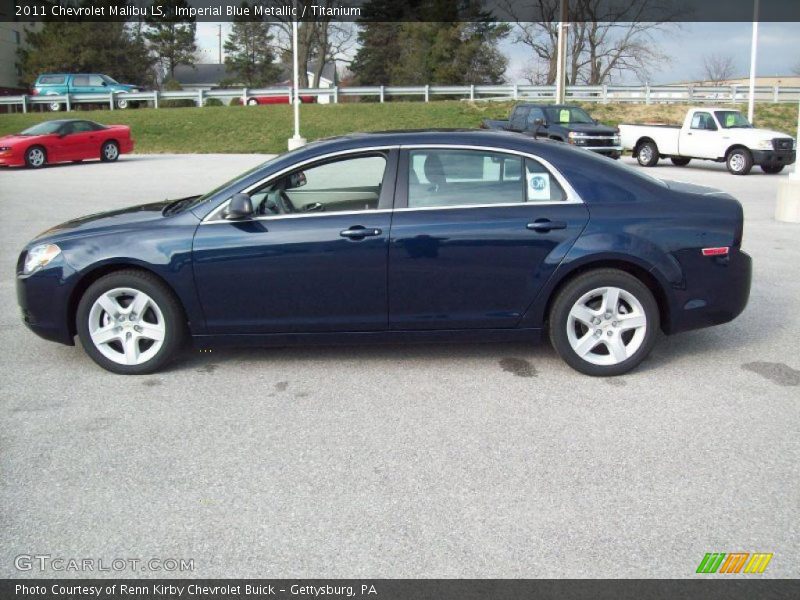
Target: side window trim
(401,193)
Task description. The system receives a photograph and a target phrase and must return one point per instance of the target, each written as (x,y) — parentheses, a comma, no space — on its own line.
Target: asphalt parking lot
(491,460)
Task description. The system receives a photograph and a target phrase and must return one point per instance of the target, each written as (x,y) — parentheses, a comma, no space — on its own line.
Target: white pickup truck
(718,134)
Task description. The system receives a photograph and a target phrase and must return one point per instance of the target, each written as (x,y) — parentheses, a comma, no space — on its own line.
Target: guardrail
(599,93)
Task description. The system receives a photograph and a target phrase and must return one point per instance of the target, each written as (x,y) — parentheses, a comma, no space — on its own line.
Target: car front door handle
(359,232)
(545,225)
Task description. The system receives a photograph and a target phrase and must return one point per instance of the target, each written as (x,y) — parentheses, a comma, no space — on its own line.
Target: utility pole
(296,141)
(561,53)
(219,38)
(753,52)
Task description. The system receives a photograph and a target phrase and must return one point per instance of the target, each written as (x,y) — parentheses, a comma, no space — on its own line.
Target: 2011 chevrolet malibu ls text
(412,236)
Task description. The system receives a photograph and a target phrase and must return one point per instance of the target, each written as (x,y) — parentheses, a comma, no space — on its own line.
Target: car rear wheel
(604,322)
(739,161)
(109,152)
(647,154)
(252,102)
(35,157)
(772,169)
(680,161)
(130,323)
(54,106)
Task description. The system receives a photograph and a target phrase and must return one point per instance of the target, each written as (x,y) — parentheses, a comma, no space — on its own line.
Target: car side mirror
(239,208)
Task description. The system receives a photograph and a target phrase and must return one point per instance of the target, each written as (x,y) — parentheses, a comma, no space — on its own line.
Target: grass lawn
(265,129)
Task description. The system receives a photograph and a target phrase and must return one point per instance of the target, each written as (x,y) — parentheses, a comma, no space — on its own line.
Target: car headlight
(5,148)
(576,134)
(764,145)
(39,256)
(134,91)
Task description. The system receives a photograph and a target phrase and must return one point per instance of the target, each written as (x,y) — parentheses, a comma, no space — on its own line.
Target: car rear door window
(540,184)
(80,81)
(51,80)
(441,178)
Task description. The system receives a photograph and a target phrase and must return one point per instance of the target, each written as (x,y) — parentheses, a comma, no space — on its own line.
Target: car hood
(122,218)
(754,135)
(589,128)
(7,140)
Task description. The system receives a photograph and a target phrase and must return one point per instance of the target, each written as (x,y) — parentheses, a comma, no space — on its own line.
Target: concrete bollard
(787,208)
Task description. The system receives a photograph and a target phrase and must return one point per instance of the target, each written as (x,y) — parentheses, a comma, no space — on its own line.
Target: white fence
(600,93)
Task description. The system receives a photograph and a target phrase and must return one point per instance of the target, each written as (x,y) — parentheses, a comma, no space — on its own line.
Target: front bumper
(774,157)
(43,299)
(9,160)
(715,289)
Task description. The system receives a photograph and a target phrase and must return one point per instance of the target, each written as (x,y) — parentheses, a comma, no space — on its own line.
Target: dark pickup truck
(564,123)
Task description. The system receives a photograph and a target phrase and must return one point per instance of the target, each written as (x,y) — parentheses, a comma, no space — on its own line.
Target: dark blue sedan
(407,236)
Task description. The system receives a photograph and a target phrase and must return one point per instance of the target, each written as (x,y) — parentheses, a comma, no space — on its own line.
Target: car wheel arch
(641,141)
(88,277)
(629,265)
(733,147)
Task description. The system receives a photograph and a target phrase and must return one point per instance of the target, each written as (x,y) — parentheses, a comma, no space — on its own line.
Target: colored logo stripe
(758,563)
(733,562)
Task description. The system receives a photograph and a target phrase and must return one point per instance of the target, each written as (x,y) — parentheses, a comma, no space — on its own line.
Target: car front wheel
(739,161)
(604,322)
(130,323)
(252,102)
(35,157)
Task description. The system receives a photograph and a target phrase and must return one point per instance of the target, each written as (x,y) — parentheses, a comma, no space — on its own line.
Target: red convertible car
(65,140)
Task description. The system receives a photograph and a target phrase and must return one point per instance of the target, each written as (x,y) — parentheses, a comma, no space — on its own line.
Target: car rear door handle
(545,225)
(359,232)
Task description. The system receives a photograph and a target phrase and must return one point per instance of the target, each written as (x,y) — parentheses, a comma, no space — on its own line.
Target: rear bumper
(715,290)
(774,157)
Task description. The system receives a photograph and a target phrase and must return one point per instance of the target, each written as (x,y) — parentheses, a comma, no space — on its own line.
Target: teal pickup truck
(56,84)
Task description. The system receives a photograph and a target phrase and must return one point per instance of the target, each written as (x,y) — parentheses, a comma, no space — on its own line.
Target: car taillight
(34,92)
(721,251)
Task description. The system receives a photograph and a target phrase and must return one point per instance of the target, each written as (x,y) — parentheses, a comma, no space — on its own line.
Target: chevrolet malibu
(402,236)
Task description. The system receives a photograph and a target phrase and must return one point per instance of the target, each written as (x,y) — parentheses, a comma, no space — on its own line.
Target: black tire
(647,154)
(54,106)
(35,157)
(739,161)
(171,311)
(772,169)
(680,161)
(584,284)
(109,152)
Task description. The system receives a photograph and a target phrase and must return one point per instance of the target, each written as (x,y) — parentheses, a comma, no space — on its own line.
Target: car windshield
(568,114)
(43,128)
(108,79)
(731,119)
(200,199)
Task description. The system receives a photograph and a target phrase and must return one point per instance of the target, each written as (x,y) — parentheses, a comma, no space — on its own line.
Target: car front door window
(345,185)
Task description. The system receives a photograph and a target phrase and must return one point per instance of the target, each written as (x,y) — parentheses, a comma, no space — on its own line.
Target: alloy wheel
(110,151)
(126,326)
(36,157)
(606,326)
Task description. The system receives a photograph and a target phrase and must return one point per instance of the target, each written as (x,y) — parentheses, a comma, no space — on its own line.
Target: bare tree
(320,41)
(718,68)
(607,40)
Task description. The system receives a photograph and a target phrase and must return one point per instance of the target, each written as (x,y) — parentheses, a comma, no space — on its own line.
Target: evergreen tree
(172,38)
(456,44)
(248,53)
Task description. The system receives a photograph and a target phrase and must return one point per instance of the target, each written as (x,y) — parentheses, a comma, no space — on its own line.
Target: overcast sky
(778,49)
